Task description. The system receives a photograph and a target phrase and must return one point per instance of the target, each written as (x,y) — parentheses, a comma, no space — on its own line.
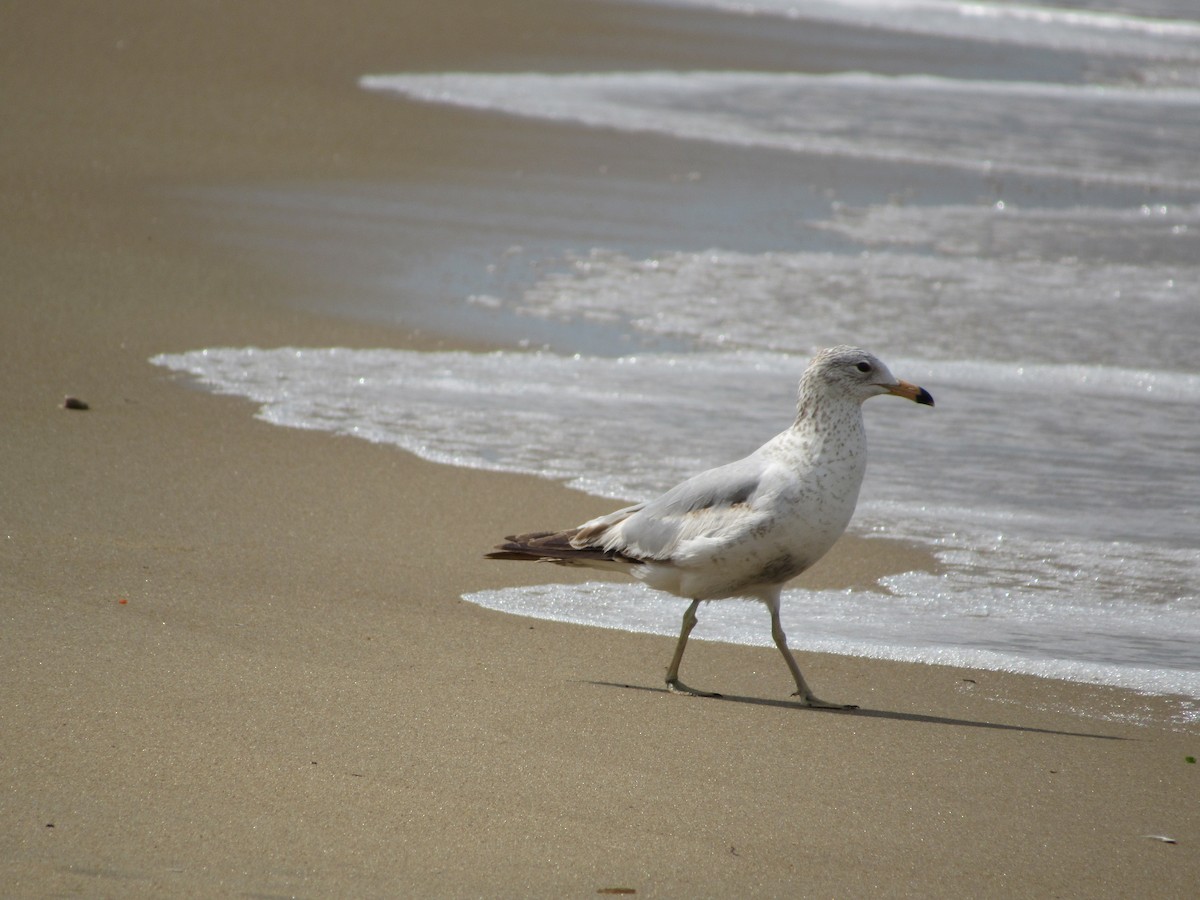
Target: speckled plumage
(745,528)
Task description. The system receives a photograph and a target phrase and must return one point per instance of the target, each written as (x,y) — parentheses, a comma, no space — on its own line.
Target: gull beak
(909,392)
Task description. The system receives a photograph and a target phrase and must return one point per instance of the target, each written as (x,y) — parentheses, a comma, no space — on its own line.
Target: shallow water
(1021,236)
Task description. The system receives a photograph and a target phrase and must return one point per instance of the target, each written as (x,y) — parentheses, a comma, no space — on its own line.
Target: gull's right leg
(674,685)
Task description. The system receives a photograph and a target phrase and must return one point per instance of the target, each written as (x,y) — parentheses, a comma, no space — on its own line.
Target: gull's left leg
(802,689)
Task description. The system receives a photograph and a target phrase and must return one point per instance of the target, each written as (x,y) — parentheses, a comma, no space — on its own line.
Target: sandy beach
(236,661)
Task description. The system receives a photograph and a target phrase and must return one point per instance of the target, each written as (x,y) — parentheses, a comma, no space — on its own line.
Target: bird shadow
(862,713)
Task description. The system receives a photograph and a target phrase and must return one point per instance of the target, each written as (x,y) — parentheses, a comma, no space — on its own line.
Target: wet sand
(236,661)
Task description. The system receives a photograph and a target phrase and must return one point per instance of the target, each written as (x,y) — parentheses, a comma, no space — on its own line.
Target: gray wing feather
(716,502)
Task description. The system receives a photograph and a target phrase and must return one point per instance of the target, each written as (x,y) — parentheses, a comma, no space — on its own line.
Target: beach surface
(236,661)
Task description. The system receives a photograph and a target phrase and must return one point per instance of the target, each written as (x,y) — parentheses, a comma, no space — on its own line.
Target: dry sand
(235,658)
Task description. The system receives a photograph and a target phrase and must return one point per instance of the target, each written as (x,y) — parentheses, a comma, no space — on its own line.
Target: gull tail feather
(556,547)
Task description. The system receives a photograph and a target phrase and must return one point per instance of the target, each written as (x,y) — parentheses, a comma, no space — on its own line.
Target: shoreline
(237,657)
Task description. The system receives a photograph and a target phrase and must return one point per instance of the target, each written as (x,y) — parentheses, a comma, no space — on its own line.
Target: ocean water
(1025,245)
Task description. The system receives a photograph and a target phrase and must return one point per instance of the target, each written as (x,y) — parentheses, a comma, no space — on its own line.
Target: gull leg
(674,685)
(802,689)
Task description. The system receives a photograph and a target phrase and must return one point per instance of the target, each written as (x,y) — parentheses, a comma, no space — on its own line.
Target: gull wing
(713,507)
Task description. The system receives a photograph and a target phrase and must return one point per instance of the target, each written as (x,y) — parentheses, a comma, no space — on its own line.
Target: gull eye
(863,367)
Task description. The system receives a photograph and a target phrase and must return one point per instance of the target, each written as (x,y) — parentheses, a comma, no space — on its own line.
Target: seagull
(744,529)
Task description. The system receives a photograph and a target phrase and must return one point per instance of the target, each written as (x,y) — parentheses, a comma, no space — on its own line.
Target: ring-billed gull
(744,529)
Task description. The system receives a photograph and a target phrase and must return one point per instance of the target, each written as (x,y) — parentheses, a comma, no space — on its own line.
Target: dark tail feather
(553,546)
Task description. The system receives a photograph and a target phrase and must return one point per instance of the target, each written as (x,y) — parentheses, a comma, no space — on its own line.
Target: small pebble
(74,403)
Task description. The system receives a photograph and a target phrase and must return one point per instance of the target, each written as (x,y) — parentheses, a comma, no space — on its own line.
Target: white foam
(987,126)
(724,299)
(1112,32)
(1090,235)
(942,628)
(443,406)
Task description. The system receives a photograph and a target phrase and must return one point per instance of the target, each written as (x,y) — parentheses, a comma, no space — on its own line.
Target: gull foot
(675,686)
(817,703)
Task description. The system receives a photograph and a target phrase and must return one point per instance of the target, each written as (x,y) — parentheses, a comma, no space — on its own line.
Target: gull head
(850,373)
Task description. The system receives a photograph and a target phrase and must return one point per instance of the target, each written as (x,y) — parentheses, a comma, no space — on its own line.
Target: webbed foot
(675,686)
